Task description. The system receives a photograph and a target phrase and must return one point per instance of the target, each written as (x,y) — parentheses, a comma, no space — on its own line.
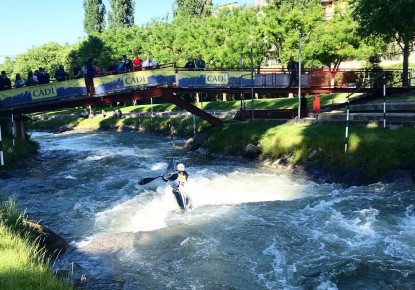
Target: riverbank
(314,150)
(24,259)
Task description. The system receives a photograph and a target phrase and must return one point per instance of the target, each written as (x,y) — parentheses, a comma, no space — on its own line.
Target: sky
(31,23)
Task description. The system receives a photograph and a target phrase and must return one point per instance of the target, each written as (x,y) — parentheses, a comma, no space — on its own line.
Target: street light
(252,84)
(299,75)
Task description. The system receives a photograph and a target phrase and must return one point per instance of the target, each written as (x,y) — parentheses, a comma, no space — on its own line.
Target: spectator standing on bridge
(77,72)
(43,77)
(98,69)
(121,66)
(89,78)
(148,63)
(293,70)
(31,81)
(137,62)
(112,69)
(200,63)
(5,83)
(61,75)
(127,63)
(190,65)
(18,82)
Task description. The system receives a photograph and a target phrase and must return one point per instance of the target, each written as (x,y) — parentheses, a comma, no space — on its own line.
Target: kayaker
(177,182)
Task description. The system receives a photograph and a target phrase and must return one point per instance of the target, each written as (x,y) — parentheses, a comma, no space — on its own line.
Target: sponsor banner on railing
(204,79)
(59,90)
(107,84)
(43,92)
(71,88)
(15,96)
(279,80)
(134,80)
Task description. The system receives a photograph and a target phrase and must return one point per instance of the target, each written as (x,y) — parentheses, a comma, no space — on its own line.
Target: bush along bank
(14,150)
(316,151)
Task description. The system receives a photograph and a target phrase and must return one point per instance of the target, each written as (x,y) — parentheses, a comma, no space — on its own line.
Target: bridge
(171,83)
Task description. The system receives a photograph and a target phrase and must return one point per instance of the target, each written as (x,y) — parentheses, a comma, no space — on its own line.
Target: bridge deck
(169,83)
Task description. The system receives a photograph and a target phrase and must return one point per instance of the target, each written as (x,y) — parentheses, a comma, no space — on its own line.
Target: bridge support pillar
(18,128)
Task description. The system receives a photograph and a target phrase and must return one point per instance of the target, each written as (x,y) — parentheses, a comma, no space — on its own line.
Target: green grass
(378,149)
(22,264)
(393,149)
(277,103)
(15,154)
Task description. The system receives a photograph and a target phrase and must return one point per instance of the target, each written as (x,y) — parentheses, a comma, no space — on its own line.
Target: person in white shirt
(148,63)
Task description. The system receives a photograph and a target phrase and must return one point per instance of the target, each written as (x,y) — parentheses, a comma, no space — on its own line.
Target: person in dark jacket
(89,77)
(43,77)
(5,82)
(292,68)
(61,75)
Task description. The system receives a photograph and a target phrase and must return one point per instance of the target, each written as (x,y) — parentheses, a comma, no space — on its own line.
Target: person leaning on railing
(18,82)
(5,83)
(61,75)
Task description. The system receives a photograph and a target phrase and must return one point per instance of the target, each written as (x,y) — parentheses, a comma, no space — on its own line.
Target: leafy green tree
(125,40)
(94,20)
(121,14)
(192,8)
(48,56)
(335,40)
(92,47)
(392,20)
(282,24)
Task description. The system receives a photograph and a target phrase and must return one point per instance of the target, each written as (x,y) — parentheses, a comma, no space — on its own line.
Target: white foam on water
(144,212)
(402,245)
(276,278)
(239,187)
(159,166)
(70,177)
(149,210)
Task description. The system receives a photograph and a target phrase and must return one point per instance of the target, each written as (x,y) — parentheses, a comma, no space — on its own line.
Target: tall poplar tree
(94,20)
(198,8)
(121,14)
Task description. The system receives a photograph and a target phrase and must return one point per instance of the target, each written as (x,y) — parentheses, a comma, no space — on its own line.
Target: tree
(94,20)
(193,8)
(121,14)
(392,20)
(336,40)
(92,47)
(282,24)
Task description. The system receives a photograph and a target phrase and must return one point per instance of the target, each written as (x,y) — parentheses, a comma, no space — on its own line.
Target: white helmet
(180,167)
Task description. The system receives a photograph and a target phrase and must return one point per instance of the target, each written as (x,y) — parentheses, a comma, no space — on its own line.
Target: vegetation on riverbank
(14,151)
(377,149)
(22,264)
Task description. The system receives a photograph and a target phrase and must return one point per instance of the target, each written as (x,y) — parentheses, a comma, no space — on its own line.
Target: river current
(250,228)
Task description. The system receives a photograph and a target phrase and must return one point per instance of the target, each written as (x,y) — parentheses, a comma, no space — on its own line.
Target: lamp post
(299,75)
(252,84)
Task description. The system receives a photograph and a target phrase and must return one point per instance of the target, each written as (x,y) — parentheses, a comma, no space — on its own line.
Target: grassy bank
(378,149)
(22,264)
(15,154)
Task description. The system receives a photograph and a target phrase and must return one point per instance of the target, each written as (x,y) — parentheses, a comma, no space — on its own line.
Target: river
(250,228)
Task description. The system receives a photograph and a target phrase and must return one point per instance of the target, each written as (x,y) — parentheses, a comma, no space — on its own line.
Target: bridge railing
(169,75)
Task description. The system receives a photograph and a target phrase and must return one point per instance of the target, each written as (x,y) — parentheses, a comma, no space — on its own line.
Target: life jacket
(182,179)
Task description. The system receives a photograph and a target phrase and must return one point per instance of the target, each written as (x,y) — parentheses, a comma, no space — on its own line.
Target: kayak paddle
(147,180)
